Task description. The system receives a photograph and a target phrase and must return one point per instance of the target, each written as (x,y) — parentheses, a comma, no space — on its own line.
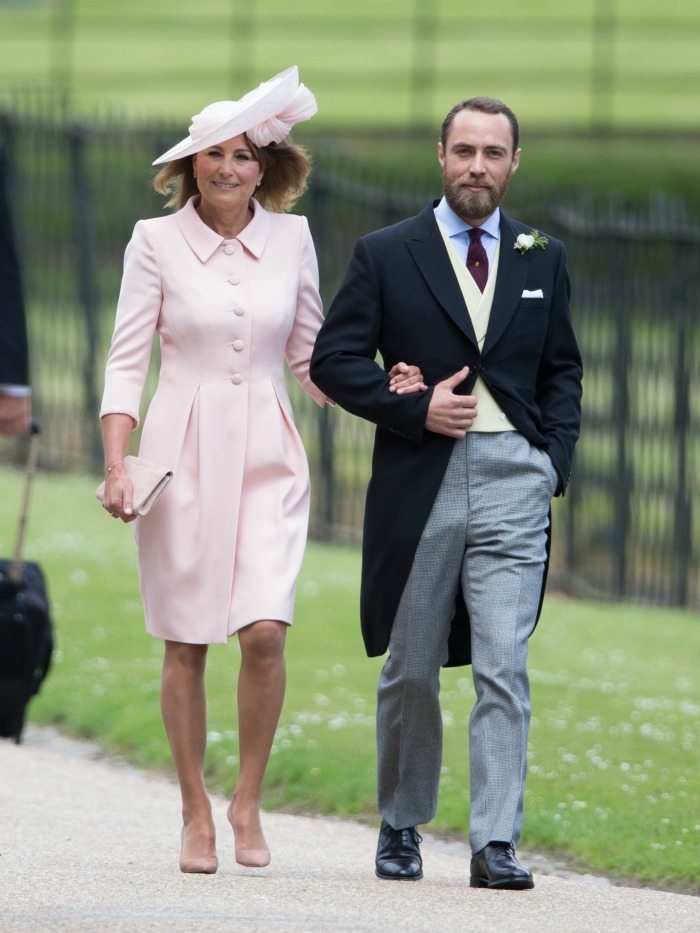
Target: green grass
(371,65)
(615,743)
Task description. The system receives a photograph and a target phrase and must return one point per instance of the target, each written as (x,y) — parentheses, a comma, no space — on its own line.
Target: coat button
(237,379)
(237,344)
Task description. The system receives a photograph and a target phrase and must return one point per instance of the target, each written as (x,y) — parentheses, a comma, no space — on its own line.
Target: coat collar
(204,241)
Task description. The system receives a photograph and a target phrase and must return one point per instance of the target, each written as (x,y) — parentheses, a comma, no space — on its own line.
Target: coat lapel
(428,250)
(513,268)
(203,241)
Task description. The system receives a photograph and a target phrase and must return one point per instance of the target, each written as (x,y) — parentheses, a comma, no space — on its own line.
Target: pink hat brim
(227,119)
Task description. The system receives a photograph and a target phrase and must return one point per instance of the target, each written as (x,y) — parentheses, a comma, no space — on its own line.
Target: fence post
(318,198)
(622,480)
(88,291)
(569,549)
(682,505)
(327,472)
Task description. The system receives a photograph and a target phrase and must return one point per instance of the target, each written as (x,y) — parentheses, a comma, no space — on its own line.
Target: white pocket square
(538,293)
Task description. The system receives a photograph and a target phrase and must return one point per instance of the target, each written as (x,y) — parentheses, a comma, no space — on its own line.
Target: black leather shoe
(398,855)
(497,867)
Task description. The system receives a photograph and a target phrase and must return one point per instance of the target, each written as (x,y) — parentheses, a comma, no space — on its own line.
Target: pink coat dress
(223,545)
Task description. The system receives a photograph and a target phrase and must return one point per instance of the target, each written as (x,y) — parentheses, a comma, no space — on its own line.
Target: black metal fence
(628,525)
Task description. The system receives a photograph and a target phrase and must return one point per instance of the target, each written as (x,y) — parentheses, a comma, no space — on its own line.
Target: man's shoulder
(402,229)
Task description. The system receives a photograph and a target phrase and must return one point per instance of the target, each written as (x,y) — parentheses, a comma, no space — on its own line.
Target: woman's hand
(406,379)
(118,499)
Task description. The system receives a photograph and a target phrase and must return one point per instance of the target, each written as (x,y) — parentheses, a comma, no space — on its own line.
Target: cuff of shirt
(7,389)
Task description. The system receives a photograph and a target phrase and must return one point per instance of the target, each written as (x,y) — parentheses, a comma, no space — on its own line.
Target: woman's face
(227,174)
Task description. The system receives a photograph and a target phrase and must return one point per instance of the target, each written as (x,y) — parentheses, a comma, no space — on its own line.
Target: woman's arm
(138,309)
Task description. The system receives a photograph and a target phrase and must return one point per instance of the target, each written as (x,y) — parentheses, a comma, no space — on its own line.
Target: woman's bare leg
(184,708)
(261,686)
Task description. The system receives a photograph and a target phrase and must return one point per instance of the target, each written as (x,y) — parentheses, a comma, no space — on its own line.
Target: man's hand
(450,414)
(15,414)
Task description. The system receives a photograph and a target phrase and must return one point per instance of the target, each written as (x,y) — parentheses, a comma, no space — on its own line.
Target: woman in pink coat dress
(230,285)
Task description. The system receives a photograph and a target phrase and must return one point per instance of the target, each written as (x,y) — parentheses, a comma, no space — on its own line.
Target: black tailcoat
(400,297)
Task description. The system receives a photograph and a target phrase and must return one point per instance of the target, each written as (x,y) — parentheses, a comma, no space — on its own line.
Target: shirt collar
(204,241)
(453,224)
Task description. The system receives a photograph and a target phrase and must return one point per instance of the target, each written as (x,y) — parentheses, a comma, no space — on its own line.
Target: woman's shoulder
(156,224)
(151,231)
(283,227)
(288,220)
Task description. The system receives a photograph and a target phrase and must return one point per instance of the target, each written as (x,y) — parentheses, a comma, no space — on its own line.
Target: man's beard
(473,205)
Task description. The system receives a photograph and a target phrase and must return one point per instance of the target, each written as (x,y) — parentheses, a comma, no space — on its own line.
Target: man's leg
(510,484)
(409,721)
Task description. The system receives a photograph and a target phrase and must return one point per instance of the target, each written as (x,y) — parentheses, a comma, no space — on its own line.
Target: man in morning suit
(457,516)
(15,395)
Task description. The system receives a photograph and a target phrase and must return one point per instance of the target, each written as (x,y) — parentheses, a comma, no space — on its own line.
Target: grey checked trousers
(487,534)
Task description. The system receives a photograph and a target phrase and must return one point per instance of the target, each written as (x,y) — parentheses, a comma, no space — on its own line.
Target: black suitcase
(26,631)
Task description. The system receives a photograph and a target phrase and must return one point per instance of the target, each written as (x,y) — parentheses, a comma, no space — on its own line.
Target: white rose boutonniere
(529,240)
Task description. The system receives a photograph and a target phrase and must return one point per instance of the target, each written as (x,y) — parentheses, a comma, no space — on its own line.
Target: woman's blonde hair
(286,168)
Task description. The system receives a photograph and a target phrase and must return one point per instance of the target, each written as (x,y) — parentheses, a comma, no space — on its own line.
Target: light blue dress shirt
(458,230)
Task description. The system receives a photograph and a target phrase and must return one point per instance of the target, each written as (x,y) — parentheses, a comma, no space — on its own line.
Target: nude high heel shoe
(251,858)
(203,865)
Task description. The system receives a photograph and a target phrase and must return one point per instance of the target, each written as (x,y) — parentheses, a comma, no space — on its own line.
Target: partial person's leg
(409,719)
(184,709)
(510,485)
(261,686)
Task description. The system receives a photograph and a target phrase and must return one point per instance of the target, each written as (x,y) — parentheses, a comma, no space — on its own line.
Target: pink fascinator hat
(265,114)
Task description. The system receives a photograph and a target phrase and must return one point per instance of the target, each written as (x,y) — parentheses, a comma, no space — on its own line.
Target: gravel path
(90,845)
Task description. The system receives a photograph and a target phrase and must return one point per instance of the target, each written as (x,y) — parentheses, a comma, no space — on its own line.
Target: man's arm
(344,361)
(15,395)
(559,379)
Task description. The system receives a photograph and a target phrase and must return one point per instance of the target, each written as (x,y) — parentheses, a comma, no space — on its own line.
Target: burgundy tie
(477,260)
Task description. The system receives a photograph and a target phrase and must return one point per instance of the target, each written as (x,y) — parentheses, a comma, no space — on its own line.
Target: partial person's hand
(118,499)
(15,414)
(405,379)
(450,414)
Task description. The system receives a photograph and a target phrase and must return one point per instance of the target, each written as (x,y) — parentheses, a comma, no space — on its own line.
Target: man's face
(477,162)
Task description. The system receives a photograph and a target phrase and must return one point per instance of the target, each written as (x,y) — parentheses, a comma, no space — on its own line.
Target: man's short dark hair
(483,105)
